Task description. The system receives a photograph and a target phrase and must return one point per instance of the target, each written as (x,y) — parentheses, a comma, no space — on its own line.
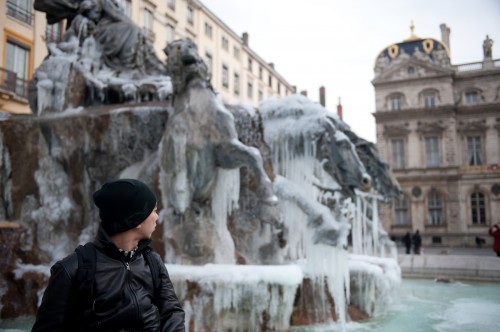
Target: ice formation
(321,177)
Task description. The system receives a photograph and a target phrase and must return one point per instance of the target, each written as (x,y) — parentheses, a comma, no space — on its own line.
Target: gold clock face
(428,45)
(393,51)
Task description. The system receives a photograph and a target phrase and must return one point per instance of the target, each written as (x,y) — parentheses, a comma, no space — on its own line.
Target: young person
(126,285)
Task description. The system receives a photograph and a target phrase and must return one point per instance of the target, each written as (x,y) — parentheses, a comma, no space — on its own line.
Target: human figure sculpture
(487,46)
(122,43)
(200,136)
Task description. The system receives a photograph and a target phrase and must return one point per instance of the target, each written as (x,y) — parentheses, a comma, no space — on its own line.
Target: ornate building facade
(239,74)
(439,126)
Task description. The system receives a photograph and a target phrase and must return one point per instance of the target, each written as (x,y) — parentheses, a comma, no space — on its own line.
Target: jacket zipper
(132,293)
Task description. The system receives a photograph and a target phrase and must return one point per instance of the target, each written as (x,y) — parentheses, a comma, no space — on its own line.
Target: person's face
(147,227)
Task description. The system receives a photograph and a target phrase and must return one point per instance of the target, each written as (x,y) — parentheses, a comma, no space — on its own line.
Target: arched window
(478,208)
(435,208)
(401,213)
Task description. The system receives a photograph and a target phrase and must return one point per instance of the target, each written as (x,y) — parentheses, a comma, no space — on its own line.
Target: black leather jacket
(123,295)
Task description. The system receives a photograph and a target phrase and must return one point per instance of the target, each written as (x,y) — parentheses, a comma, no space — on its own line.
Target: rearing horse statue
(200,135)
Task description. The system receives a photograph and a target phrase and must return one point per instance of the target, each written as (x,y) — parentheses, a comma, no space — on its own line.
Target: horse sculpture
(200,136)
(384,181)
(304,128)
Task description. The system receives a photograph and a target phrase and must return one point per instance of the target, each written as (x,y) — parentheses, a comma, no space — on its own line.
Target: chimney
(339,110)
(245,38)
(303,92)
(445,35)
(322,97)
(271,64)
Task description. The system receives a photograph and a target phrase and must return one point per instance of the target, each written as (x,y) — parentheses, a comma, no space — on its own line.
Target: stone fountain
(269,216)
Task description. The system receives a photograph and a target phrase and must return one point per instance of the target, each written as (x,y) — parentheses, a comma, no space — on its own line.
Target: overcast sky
(334,43)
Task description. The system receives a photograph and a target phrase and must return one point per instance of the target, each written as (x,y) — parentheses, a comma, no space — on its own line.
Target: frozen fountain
(269,216)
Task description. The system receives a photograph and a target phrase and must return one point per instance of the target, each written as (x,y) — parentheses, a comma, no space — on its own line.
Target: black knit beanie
(124,204)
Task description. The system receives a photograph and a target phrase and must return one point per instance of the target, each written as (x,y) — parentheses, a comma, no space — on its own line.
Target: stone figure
(122,43)
(487,46)
(200,136)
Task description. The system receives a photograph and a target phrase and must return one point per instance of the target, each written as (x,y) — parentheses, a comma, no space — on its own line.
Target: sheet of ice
(244,290)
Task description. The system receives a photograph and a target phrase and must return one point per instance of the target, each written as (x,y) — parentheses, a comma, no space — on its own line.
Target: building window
(225,76)
(270,81)
(429,100)
(279,88)
(17,62)
(261,75)
(478,208)
(225,43)
(432,155)
(171,4)
(170,33)
(209,61)
(395,103)
(236,84)
(398,153)
(261,95)
(148,24)
(126,6)
(472,97)
(474,151)
(236,52)
(435,208)
(411,70)
(190,15)
(208,30)
(54,32)
(249,90)
(20,10)
(249,64)
(148,19)
(401,215)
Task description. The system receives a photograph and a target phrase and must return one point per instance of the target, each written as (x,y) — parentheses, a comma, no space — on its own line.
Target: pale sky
(334,43)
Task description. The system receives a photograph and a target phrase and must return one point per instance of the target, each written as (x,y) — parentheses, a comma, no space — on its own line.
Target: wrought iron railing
(22,14)
(9,82)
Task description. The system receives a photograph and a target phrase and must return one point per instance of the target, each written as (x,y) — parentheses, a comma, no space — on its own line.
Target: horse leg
(234,154)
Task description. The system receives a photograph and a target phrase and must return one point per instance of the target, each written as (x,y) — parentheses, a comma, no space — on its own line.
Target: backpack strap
(85,277)
(155,272)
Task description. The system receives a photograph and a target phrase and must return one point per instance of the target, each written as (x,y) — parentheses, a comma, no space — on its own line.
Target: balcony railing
(9,82)
(19,13)
(475,66)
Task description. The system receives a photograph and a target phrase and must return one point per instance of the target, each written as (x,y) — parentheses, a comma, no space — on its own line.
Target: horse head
(383,179)
(185,65)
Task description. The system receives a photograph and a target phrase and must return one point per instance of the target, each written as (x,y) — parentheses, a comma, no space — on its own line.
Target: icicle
(224,201)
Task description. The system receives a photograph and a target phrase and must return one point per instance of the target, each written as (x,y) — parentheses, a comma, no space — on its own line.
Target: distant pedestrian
(479,241)
(495,232)
(417,242)
(407,242)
